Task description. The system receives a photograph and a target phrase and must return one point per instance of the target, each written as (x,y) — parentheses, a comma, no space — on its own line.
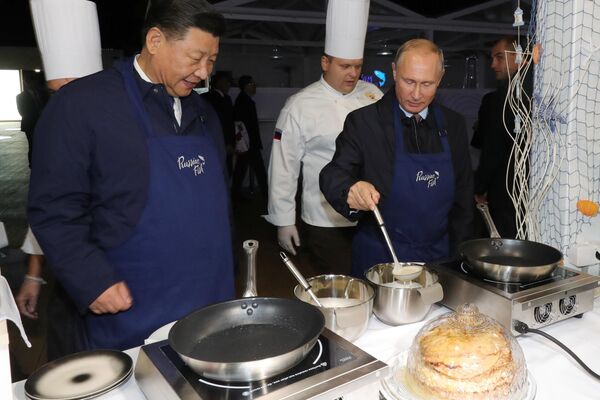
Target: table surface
(556,374)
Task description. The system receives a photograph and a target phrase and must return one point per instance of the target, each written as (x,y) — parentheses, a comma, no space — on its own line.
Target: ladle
(401,271)
(299,277)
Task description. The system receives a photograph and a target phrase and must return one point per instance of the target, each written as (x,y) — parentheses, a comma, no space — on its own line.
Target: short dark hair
(244,80)
(175,17)
(508,41)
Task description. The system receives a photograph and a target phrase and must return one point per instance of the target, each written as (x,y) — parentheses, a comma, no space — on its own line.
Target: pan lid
(466,353)
(79,376)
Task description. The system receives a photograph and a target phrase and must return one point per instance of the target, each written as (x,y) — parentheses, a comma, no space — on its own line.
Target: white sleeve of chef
(30,244)
(284,168)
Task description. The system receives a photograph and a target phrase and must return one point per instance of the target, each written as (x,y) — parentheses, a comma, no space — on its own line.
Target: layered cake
(466,356)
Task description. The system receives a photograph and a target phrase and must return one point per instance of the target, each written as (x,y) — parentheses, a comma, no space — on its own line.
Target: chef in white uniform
(304,141)
(68,37)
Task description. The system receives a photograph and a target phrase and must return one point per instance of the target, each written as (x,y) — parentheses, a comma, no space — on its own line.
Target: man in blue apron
(128,196)
(409,156)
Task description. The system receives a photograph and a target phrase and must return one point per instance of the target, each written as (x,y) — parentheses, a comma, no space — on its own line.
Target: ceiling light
(275,55)
(384,51)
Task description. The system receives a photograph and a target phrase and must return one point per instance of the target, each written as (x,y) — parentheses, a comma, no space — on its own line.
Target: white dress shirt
(176,100)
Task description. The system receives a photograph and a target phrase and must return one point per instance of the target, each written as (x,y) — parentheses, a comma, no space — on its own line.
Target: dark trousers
(252,158)
(330,249)
(29,136)
(66,327)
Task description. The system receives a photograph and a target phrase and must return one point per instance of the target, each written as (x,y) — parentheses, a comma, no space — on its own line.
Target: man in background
(218,97)
(494,172)
(304,141)
(244,110)
(30,104)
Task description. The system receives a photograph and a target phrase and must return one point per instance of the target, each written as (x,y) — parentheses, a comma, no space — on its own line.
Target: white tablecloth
(556,374)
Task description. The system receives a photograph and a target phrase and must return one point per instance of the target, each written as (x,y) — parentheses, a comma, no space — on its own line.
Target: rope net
(557,138)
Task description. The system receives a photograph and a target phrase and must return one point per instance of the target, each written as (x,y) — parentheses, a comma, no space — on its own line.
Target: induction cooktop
(332,368)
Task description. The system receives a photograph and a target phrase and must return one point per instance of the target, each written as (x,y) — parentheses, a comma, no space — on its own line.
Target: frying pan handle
(485,212)
(250,248)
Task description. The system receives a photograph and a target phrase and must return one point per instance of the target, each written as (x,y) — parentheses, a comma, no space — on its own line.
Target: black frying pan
(508,260)
(250,338)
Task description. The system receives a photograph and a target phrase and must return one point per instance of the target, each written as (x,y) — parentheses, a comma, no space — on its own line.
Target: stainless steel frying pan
(508,260)
(247,339)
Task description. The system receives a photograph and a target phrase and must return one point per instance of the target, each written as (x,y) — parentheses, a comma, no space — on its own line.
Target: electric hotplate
(332,368)
(563,294)
(512,288)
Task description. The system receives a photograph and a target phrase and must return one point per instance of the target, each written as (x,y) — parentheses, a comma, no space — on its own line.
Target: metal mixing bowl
(398,303)
(347,301)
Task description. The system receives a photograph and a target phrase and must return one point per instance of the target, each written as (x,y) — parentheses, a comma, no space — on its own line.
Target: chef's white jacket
(304,138)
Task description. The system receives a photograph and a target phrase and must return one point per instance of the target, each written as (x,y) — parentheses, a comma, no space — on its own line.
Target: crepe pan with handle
(508,260)
(247,339)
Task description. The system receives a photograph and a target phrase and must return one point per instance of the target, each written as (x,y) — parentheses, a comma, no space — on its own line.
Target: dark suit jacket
(477,139)
(365,150)
(245,111)
(496,145)
(89,181)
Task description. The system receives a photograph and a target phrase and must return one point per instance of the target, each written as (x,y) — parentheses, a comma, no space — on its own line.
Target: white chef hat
(68,36)
(346,29)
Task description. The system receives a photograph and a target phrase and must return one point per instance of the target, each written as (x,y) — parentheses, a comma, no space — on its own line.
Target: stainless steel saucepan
(397,302)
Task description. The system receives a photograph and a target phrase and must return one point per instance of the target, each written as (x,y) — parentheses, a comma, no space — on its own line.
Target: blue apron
(179,256)
(416,210)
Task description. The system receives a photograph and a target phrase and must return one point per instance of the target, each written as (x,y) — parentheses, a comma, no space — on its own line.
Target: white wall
(10,82)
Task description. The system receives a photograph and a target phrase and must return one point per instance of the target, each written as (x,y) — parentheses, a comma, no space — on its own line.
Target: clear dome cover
(465,355)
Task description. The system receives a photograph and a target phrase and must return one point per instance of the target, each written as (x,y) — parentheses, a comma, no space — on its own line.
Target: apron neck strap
(433,108)
(439,119)
(438,115)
